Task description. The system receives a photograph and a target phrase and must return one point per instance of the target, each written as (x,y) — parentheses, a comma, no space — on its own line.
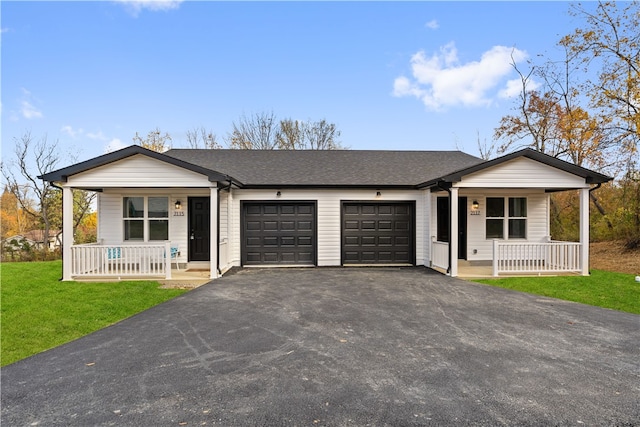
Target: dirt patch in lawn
(612,256)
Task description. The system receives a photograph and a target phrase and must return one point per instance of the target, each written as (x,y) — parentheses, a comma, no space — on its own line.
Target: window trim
(146,219)
(506,218)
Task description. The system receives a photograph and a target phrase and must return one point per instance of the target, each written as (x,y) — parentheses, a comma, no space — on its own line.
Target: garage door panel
(270,225)
(278,233)
(305,210)
(287,225)
(385,240)
(385,210)
(368,241)
(401,241)
(270,210)
(385,225)
(305,225)
(254,225)
(352,241)
(306,241)
(378,233)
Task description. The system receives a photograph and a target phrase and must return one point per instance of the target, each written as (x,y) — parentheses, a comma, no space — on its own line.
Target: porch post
(453,244)
(67,232)
(227,261)
(584,231)
(213,251)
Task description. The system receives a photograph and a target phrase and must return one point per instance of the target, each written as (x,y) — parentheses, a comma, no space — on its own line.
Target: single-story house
(35,239)
(215,209)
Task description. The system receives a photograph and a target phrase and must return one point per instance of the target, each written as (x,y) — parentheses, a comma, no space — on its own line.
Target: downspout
(218,226)
(53,184)
(591,196)
(448,190)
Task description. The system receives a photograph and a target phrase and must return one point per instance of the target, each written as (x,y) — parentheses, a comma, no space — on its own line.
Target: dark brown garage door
(278,233)
(377,233)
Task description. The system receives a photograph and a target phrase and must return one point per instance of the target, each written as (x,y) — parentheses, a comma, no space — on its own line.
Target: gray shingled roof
(328,168)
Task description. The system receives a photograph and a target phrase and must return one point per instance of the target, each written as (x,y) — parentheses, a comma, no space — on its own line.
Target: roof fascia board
(327,186)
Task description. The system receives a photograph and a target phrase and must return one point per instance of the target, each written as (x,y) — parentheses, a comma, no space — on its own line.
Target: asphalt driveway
(340,347)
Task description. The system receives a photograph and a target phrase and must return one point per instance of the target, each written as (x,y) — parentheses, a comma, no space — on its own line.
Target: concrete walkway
(340,347)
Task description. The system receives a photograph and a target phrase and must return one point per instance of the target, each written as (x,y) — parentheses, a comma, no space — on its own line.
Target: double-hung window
(146,218)
(506,217)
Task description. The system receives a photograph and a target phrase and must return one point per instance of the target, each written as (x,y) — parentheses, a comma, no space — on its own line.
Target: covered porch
(494,219)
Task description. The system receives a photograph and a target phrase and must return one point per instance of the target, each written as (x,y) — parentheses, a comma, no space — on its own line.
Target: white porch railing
(529,257)
(224,255)
(130,260)
(439,254)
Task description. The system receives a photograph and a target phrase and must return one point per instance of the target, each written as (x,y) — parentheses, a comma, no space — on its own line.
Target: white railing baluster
(531,258)
(134,260)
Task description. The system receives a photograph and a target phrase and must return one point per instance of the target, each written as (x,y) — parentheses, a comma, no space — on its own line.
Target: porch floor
(190,278)
(467,271)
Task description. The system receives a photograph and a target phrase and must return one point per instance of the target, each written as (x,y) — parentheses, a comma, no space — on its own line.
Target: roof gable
(138,171)
(588,176)
(521,172)
(61,175)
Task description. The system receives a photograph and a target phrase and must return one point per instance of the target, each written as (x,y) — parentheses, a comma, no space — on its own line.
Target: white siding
(110,221)
(537,219)
(328,216)
(522,173)
(138,171)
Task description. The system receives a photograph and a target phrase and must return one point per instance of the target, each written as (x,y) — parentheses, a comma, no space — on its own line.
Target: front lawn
(38,311)
(617,291)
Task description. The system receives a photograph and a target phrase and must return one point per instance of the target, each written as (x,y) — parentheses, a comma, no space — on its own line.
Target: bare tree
(202,138)
(321,136)
(263,132)
(155,140)
(256,132)
(46,156)
(39,199)
(290,135)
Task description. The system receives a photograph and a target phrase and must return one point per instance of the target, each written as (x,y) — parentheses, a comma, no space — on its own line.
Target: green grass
(617,291)
(38,312)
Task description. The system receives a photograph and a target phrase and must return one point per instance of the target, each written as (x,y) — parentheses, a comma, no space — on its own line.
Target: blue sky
(402,76)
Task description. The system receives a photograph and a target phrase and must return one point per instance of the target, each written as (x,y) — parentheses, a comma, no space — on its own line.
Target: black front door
(462,228)
(199,232)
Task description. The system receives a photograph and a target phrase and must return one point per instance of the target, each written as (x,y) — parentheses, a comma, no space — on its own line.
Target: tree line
(583,107)
(29,203)
(258,131)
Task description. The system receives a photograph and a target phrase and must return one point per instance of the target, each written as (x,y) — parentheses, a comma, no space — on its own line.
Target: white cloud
(513,88)
(69,130)
(136,6)
(114,145)
(29,111)
(97,136)
(441,80)
(433,24)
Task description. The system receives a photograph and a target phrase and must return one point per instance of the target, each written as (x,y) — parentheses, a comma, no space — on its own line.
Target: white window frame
(507,217)
(145,219)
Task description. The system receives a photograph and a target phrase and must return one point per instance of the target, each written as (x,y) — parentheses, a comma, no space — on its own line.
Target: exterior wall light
(278,194)
(378,194)
(475,205)
(178,205)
